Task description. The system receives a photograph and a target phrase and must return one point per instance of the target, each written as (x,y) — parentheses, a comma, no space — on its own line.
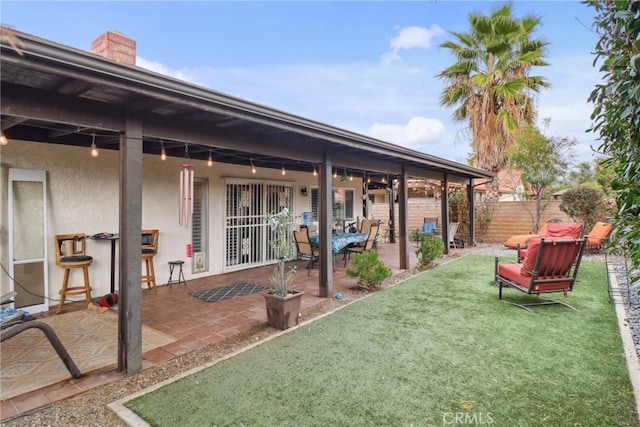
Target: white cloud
(410,38)
(162,69)
(418,133)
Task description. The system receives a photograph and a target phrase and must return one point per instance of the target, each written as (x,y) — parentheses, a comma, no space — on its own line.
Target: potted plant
(283,303)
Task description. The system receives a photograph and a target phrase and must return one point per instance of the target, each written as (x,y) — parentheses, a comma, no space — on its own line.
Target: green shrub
(369,270)
(429,250)
(414,236)
(584,204)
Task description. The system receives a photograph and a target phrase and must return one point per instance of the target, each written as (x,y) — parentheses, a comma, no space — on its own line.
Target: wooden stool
(149,250)
(70,254)
(172,265)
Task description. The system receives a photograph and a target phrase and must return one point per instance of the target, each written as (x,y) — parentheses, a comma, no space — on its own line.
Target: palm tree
(489,83)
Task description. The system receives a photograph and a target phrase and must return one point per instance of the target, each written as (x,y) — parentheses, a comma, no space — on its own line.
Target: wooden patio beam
(130,290)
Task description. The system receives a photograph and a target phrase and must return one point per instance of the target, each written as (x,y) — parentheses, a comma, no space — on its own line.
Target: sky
(368,67)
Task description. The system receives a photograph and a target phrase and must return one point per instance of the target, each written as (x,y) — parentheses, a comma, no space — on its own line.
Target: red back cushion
(530,259)
(564,230)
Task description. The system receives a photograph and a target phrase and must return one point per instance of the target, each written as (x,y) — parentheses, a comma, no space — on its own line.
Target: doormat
(238,289)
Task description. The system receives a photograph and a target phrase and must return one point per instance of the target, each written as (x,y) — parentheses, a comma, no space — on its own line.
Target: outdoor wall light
(303,190)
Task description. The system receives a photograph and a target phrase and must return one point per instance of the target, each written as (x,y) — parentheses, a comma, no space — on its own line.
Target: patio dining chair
(550,266)
(367,246)
(304,248)
(453,229)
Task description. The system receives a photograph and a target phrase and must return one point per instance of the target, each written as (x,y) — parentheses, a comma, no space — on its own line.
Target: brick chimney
(116,46)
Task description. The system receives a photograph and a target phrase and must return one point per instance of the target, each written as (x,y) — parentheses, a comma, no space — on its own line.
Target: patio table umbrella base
(283,312)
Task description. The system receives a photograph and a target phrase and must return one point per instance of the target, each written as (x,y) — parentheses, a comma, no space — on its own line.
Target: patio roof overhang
(56,94)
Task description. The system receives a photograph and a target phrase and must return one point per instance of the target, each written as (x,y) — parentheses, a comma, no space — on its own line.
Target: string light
(163,153)
(253,168)
(315,172)
(210,161)
(94,149)
(284,172)
(3,139)
(350,177)
(335,173)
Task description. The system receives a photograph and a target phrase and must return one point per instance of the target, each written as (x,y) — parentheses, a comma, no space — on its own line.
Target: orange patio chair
(551,266)
(598,236)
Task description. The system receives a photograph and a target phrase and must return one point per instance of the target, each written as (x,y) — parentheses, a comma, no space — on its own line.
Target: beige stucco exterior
(83,197)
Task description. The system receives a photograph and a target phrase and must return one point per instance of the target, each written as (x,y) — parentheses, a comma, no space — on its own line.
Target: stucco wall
(83,197)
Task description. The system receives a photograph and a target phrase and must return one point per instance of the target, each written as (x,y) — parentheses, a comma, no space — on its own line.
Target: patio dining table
(341,241)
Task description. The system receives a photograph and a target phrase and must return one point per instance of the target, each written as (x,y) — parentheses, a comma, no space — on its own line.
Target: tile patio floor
(195,323)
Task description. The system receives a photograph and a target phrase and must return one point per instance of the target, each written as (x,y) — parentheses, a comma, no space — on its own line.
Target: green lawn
(439,349)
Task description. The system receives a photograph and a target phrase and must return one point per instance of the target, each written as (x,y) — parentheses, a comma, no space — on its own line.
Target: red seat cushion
(513,272)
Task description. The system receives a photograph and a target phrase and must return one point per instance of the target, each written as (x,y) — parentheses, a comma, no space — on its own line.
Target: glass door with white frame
(28,239)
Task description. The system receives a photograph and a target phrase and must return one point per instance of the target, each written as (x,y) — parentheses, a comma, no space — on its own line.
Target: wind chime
(185,208)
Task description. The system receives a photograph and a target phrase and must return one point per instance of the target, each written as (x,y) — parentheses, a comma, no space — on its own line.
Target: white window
(342,201)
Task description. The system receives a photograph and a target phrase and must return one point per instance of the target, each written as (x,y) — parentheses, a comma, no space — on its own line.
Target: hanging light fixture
(185,208)
(94,149)
(163,153)
(315,172)
(284,172)
(210,161)
(3,139)
(253,168)
(335,173)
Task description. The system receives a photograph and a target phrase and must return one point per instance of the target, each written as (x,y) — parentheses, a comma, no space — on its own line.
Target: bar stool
(70,254)
(172,265)
(149,250)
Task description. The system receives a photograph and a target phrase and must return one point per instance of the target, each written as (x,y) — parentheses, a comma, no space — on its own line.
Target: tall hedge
(616,114)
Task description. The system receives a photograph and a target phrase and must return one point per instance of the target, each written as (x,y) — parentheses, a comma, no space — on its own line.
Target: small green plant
(429,250)
(369,270)
(414,236)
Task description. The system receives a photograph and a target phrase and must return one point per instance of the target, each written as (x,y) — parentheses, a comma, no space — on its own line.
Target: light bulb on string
(94,149)
(315,172)
(284,172)
(3,139)
(210,160)
(163,153)
(253,168)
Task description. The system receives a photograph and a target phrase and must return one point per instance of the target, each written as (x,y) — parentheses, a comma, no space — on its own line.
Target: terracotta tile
(8,410)
(30,401)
